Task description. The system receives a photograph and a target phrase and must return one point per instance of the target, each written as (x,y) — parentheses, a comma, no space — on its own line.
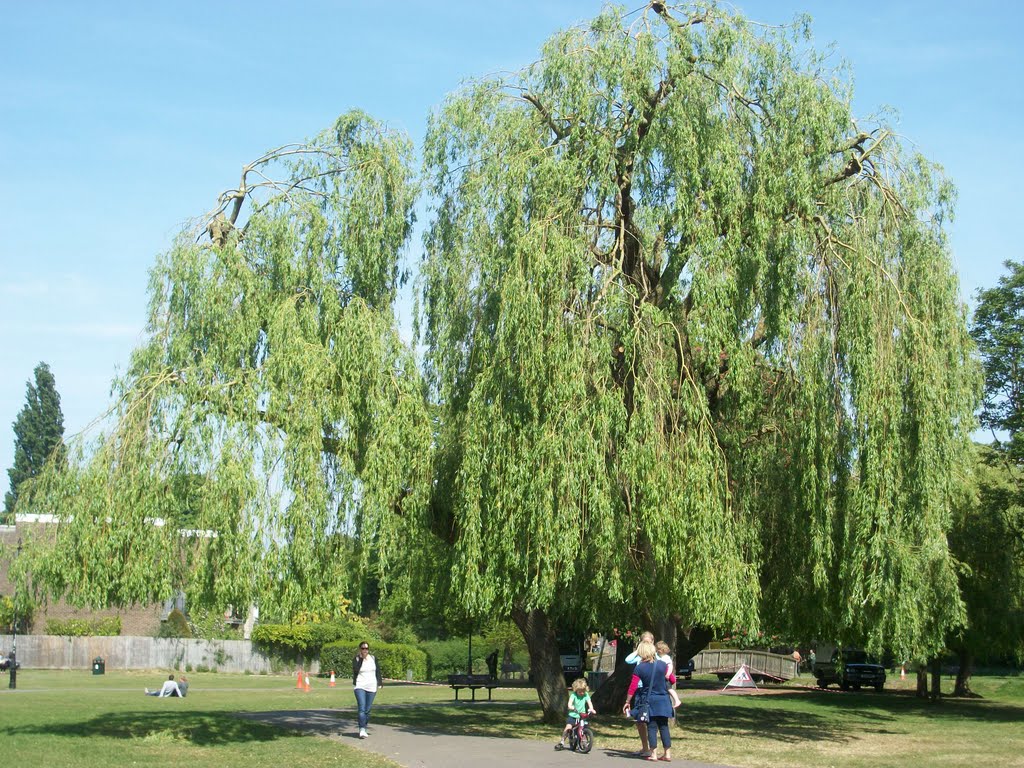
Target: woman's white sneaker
(362,733)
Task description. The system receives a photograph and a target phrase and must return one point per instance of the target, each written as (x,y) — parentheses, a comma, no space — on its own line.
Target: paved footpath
(417,748)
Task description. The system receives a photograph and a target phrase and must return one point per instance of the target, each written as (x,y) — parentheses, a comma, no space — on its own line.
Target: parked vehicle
(850,668)
(685,671)
(572,655)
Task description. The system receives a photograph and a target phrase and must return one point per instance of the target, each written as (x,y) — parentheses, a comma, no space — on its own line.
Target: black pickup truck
(854,671)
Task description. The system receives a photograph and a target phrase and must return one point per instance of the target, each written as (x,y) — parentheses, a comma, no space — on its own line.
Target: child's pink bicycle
(581,738)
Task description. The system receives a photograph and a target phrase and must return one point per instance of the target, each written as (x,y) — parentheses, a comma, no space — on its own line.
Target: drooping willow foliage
(692,348)
(695,338)
(273,408)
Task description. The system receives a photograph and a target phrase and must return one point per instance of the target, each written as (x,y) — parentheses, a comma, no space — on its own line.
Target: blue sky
(118,121)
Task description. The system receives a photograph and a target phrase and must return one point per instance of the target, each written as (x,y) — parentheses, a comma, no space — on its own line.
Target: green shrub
(308,639)
(395,659)
(108,627)
(210,625)
(450,656)
(175,626)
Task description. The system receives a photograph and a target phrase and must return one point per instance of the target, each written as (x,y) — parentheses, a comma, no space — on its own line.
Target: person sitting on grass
(579,702)
(169,688)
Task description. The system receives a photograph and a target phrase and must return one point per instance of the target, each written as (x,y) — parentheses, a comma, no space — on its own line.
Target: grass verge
(76,719)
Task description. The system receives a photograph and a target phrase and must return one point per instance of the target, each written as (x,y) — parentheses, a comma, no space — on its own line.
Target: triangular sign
(741,679)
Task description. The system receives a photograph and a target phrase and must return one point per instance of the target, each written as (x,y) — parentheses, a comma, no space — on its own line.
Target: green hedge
(109,627)
(450,656)
(307,639)
(395,659)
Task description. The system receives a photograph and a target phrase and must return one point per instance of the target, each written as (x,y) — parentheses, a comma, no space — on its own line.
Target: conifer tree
(38,430)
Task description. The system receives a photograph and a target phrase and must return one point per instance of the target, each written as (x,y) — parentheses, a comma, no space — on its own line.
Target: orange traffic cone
(307,686)
(903,673)
(331,684)
(298,680)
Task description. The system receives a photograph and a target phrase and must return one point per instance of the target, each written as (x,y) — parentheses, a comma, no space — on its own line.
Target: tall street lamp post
(13,669)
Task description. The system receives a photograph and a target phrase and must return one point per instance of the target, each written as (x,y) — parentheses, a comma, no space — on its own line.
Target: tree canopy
(986,541)
(692,349)
(695,338)
(998,330)
(273,370)
(38,431)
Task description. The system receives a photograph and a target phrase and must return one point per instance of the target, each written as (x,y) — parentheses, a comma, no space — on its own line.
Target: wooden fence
(58,652)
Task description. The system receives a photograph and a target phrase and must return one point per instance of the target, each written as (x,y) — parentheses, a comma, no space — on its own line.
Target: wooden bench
(473,682)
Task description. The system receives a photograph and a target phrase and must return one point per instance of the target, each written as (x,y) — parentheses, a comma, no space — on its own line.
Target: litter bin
(99,666)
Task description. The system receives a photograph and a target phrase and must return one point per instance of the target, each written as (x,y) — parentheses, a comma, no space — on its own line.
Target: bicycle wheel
(573,740)
(586,741)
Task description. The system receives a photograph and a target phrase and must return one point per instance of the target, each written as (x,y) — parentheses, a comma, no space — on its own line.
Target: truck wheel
(879,687)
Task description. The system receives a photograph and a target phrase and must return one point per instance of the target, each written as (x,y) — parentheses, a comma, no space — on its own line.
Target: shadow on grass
(199,728)
(897,704)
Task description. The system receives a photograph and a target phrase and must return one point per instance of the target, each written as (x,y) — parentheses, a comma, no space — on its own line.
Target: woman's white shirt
(367,677)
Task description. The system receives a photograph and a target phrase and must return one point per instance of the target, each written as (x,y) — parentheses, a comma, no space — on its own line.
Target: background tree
(695,342)
(991,560)
(998,330)
(273,412)
(38,431)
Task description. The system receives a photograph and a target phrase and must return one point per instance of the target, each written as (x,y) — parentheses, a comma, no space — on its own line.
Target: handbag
(641,711)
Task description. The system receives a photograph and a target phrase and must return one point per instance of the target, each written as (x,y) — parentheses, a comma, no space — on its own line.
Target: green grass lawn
(77,719)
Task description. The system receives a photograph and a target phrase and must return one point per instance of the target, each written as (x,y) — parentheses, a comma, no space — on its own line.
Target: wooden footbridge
(762,665)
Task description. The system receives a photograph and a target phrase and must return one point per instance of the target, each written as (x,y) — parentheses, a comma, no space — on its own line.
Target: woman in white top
(366,679)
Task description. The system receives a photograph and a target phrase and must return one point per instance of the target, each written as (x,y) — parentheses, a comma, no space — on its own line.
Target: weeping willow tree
(694,356)
(695,340)
(273,416)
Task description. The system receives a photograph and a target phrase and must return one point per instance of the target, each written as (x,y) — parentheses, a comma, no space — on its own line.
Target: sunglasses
(364,647)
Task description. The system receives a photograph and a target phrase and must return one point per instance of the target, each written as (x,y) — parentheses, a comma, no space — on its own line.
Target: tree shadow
(199,728)
(731,718)
(502,720)
(893,704)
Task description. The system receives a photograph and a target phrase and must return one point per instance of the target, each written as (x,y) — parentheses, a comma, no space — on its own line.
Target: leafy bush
(7,616)
(108,627)
(210,625)
(395,659)
(308,639)
(175,626)
(450,656)
(391,630)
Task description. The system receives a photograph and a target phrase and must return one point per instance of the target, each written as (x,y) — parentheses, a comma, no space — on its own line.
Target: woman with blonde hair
(652,706)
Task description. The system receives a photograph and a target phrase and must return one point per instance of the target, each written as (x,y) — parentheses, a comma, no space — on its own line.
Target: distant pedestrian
(366,680)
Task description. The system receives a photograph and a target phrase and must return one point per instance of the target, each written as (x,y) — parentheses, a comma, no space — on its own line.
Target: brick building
(143,621)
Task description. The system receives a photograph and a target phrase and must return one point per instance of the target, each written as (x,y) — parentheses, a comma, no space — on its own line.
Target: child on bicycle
(579,703)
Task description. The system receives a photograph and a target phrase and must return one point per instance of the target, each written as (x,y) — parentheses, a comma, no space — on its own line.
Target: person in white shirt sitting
(169,688)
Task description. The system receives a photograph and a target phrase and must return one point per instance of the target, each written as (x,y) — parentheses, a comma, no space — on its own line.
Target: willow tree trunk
(936,678)
(922,681)
(545,662)
(691,641)
(612,693)
(963,675)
